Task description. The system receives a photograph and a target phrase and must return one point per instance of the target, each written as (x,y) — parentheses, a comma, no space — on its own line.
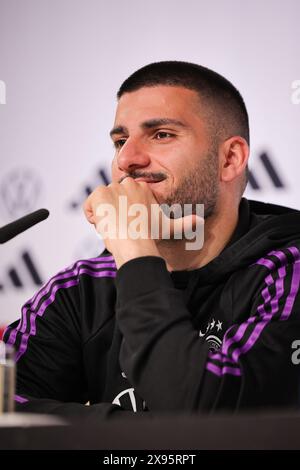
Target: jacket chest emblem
(213,334)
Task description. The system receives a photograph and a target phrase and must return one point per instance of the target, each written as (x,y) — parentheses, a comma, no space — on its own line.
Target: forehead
(157,101)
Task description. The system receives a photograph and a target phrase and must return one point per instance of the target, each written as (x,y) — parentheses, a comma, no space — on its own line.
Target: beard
(199,185)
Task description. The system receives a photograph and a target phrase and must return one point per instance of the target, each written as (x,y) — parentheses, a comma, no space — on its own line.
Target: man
(150,325)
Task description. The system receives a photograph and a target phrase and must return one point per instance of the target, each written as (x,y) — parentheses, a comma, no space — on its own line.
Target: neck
(218,230)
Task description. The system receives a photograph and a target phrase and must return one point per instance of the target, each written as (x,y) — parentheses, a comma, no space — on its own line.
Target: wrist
(133,249)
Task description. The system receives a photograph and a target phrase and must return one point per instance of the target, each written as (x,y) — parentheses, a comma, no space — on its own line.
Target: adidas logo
(258,179)
(25,273)
(101,178)
(265,174)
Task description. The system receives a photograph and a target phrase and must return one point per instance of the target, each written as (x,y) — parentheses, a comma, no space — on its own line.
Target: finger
(89,203)
(88,211)
(127,180)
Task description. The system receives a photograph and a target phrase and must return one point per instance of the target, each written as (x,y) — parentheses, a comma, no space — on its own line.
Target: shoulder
(68,294)
(103,266)
(72,282)
(281,256)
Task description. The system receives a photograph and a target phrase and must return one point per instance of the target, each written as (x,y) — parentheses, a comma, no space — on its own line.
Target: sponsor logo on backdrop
(20,191)
(295,96)
(2,92)
(22,274)
(101,178)
(265,173)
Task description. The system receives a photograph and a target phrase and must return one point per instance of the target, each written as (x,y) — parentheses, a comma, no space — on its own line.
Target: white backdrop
(61,63)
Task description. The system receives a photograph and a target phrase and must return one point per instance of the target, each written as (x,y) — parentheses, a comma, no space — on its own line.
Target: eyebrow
(150,124)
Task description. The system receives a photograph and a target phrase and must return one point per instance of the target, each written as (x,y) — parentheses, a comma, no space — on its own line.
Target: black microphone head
(20,225)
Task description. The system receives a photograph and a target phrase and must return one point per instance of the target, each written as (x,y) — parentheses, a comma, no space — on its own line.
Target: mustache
(151,176)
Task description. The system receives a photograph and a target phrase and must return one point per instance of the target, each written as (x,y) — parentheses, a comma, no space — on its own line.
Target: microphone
(20,225)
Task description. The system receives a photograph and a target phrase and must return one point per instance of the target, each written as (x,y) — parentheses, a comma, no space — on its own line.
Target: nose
(132,155)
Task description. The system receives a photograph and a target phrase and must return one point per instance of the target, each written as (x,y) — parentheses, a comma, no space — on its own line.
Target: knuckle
(128,180)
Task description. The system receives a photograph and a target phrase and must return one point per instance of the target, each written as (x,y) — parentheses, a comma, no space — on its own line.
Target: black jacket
(219,337)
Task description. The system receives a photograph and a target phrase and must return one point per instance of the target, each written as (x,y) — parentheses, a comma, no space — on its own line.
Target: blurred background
(61,64)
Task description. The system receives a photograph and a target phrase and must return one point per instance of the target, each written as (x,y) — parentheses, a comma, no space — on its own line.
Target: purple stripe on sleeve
(251,340)
(76,272)
(280,255)
(64,275)
(266,262)
(295,252)
(220,357)
(261,308)
(34,312)
(222,368)
(293,292)
(40,312)
(219,371)
(44,291)
(237,337)
(274,302)
(263,318)
(70,270)
(20,399)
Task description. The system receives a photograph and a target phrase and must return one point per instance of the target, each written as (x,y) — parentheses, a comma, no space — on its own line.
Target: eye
(163,135)
(119,143)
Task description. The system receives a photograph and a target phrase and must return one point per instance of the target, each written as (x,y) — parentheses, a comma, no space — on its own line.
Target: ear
(234,158)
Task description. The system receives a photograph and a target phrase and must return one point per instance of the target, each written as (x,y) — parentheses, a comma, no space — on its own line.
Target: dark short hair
(226,111)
